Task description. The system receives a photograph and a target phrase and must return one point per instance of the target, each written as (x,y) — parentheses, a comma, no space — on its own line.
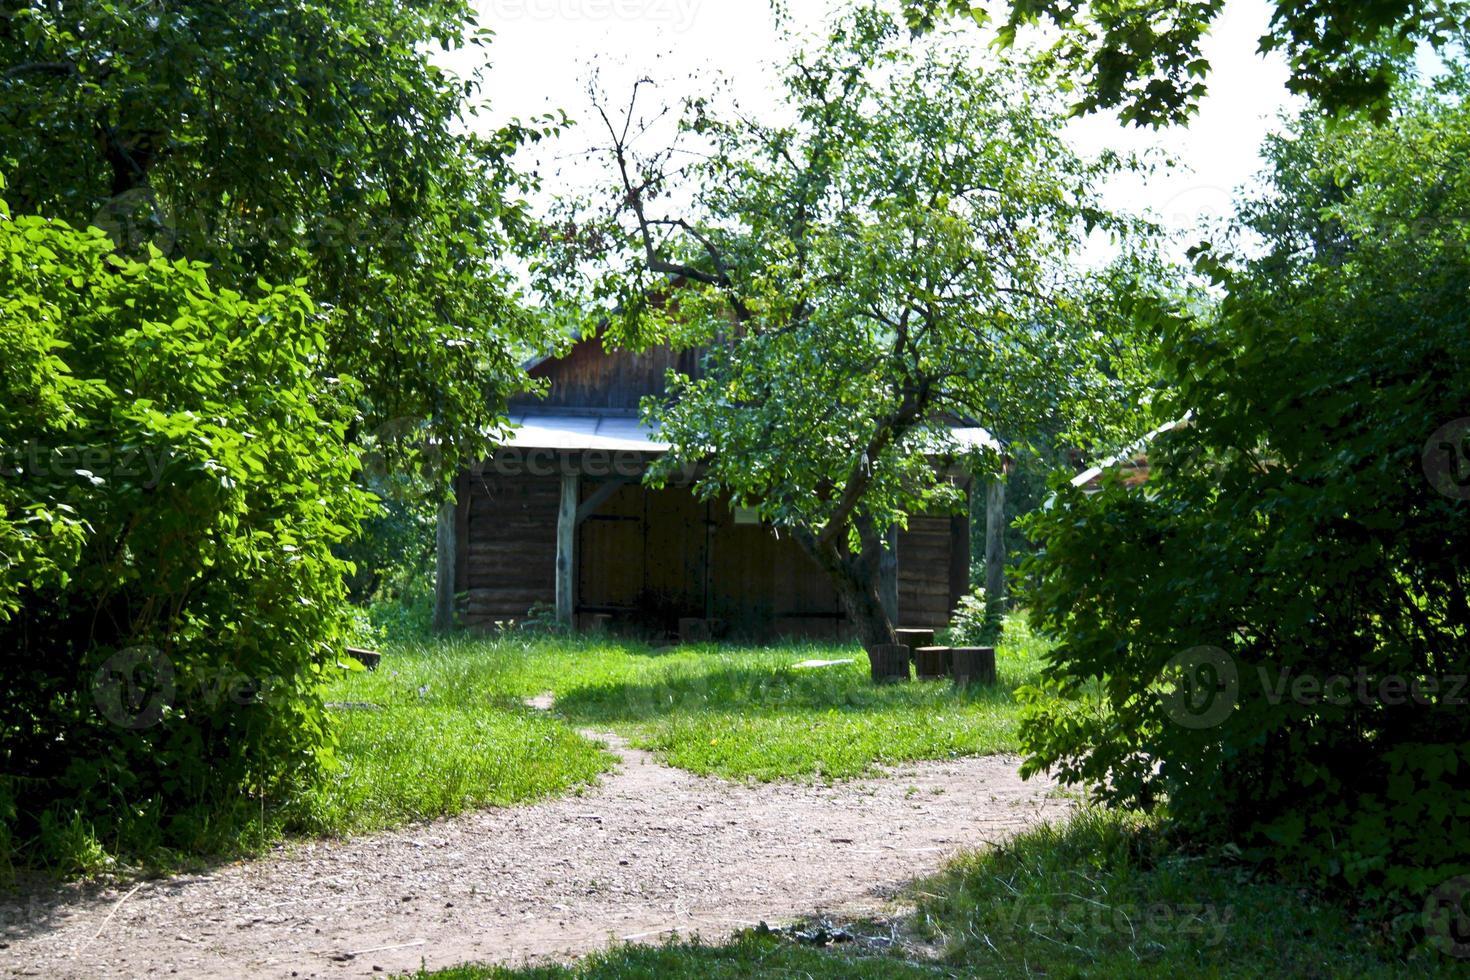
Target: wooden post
(995,545)
(973,665)
(889,663)
(444,566)
(566,552)
(888,576)
(932,663)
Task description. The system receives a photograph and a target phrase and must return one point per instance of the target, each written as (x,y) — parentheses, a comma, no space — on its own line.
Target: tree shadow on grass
(763,690)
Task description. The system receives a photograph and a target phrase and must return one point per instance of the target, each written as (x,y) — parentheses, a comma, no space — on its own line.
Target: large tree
(1280,627)
(898,257)
(1145,57)
(292,142)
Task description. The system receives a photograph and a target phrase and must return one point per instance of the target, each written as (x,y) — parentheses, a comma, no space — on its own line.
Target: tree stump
(973,665)
(914,639)
(889,663)
(933,663)
(368,658)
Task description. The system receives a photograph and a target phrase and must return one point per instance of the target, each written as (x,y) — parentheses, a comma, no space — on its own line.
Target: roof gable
(592,376)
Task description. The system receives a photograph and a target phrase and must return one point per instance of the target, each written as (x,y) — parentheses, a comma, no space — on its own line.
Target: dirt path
(649,851)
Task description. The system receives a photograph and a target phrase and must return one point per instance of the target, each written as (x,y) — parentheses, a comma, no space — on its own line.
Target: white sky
(545,50)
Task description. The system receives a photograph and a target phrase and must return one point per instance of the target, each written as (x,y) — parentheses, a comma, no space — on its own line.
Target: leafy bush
(174,477)
(1312,524)
(973,623)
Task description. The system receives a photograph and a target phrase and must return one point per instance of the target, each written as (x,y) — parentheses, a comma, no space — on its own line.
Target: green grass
(419,761)
(747,956)
(1100,895)
(441,726)
(737,712)
(1104,895)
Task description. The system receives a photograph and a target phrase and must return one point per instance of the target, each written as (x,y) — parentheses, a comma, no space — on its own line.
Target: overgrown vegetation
(177,504)
(173,482)
(1280,624)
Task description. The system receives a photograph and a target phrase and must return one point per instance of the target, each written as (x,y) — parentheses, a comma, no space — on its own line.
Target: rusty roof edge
(1129,451)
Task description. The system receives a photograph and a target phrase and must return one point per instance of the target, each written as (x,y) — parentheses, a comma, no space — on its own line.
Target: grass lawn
(1097,896)
(441,726)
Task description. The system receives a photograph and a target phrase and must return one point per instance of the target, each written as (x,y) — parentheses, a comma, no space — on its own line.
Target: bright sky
(546,49)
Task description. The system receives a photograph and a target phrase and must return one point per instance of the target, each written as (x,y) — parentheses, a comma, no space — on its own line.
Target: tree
(294,141)
(173,477)
(1279,627)
(1144,57)
(896,259)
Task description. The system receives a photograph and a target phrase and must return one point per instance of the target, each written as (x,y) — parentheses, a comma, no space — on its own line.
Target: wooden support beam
(463,488)
(566,551)
(444,567)
(959,554)
(600,496)
(888,576)
(995,544)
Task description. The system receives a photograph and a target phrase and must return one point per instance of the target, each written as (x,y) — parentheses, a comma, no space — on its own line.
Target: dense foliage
(1146,58)
(174,477)
(1280,624)
(899,258)
(294,140)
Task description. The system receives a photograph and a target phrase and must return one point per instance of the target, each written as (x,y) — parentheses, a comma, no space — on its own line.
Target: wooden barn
(559,517)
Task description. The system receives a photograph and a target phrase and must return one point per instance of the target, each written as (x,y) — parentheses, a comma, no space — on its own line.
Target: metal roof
(1126,457)
(612,432)
(620,432)
(972,437)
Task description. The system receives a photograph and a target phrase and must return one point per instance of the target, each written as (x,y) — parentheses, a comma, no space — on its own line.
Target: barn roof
(607,431)
(615,431)
(1133,459)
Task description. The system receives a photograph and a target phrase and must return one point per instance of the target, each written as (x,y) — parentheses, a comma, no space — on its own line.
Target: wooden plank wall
(926,552)
(653,556)
(590,377)
(509,561)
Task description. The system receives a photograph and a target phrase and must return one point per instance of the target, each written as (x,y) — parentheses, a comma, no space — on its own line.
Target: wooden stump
(914,639)
(368,658)
(974,665)
(889,663)
(933,663)
(601,623)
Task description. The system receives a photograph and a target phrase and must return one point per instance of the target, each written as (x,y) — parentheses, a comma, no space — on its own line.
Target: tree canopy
(295,141)
(1144,57)
(899,259)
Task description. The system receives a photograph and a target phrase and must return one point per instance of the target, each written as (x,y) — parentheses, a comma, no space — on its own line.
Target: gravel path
(649,851)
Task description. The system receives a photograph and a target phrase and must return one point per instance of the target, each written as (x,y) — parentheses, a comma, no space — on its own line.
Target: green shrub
(174,477)
(1313,523)
(973,622)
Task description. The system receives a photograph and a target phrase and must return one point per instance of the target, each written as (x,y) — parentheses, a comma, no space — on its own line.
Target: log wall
(652,557)
(591,377)
(510,546)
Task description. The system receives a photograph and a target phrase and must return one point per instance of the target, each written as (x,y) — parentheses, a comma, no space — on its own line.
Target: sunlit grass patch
(441,726)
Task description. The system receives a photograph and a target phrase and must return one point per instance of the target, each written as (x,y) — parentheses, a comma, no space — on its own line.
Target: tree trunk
(856,579)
